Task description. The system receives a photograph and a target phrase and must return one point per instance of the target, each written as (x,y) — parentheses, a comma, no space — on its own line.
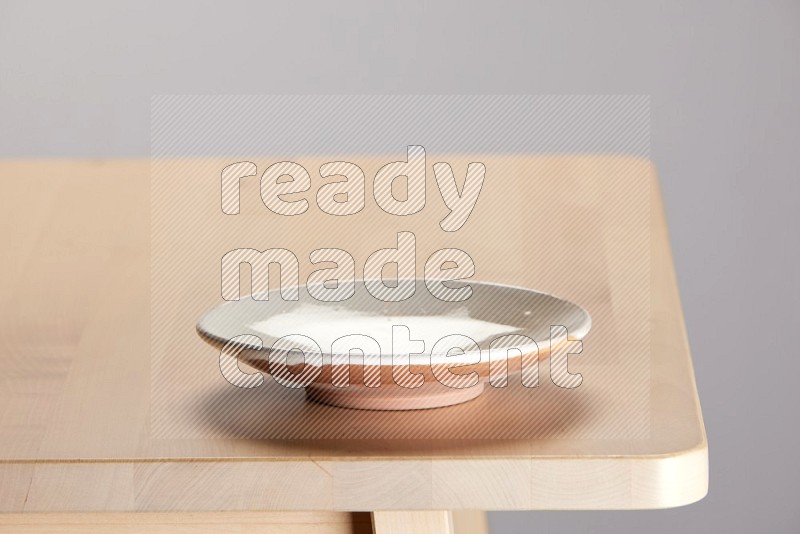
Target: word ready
(345,195)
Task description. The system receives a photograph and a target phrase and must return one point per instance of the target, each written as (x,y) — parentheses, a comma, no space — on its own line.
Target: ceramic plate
(493,311)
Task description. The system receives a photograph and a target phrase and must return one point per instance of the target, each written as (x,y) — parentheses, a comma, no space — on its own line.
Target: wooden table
(77,438)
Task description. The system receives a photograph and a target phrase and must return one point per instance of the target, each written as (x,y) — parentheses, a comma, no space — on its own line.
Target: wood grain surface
(78,415)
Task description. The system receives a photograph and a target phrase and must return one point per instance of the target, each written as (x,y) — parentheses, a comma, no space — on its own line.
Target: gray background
(76,79)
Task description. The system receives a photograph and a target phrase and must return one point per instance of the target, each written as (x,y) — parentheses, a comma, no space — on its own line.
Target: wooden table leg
(416,522)
(470,522)
(430,522)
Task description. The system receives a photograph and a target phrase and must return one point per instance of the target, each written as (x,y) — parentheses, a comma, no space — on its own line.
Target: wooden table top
(81,430)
